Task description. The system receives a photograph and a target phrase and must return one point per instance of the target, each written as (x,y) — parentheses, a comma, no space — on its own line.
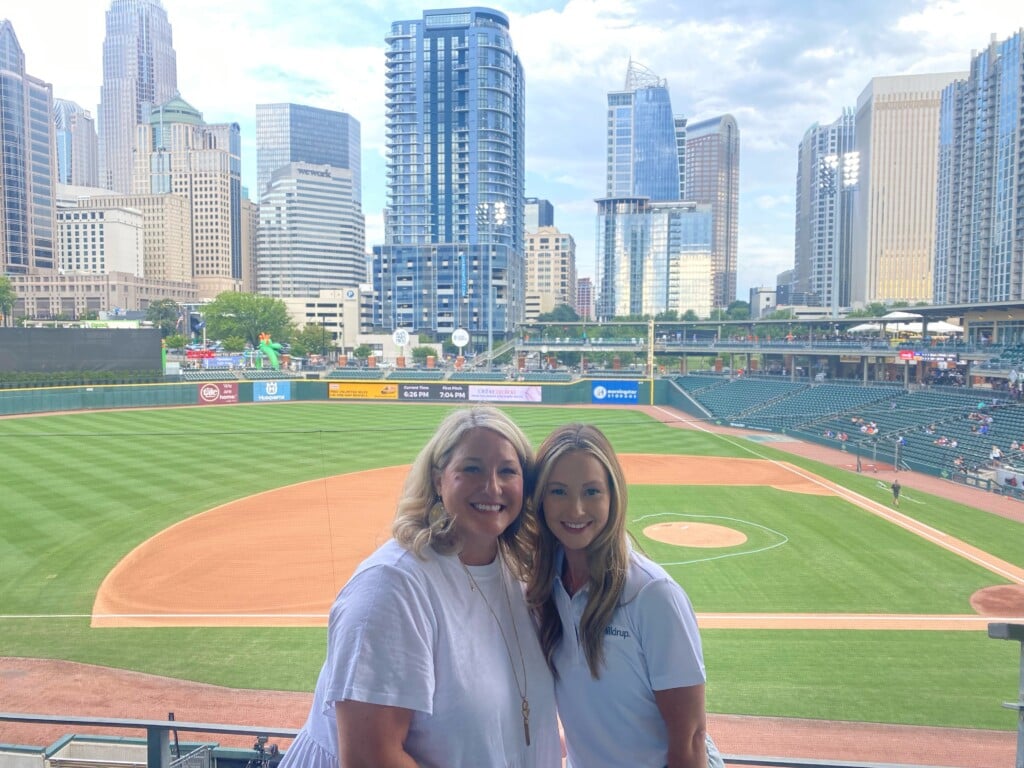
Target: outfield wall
(84,398)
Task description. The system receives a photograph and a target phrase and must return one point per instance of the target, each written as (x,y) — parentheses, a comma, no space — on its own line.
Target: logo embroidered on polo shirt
(616,631)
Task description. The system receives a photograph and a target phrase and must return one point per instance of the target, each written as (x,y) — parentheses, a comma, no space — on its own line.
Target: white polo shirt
(652,643)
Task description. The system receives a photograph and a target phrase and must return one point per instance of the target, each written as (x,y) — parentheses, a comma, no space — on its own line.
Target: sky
(777,66)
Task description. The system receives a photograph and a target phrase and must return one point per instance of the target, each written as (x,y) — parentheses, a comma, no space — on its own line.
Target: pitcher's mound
(695,535)
(999,600)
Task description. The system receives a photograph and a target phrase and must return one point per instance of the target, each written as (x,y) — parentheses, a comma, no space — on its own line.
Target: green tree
(8,298)
(563,313)
(689,316)
(247,315)
(313,339)
(164,314)
(738,310)
(420,354)
(176,341)
(233,344)
(362,352)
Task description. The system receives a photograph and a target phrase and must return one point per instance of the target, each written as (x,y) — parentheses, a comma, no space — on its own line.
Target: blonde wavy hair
(607,555)
(421,520)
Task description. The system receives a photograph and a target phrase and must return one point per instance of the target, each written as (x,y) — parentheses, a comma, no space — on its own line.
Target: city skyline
(777,67)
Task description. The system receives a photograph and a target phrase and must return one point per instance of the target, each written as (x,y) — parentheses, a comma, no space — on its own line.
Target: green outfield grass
(82,490)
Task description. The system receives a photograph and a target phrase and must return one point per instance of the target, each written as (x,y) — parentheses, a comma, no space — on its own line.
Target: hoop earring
(438,516)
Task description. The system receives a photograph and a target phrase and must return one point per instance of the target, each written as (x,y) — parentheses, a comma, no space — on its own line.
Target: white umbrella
(865,328)
(941,326)
(897,314)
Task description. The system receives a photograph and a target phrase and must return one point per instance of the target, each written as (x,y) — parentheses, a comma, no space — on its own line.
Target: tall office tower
(140,71)
(77,145)
(653,257)
(643,156)
(250,222)
(585,298)
(180,154)
(550,271)
(455,118)
(897,127)
(827,173)
(713,178)
(311,234)
(28,166)
(979,238)
(538,213)
(294,133)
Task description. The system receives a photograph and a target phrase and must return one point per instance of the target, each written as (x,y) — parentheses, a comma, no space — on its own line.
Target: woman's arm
(682,709)
(372,735)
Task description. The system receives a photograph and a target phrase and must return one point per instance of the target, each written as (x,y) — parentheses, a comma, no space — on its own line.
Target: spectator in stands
(432,657)
(995,456)
(618,632)
(1014,445)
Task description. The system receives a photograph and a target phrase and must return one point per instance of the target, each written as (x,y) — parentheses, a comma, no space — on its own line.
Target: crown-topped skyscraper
(139,72)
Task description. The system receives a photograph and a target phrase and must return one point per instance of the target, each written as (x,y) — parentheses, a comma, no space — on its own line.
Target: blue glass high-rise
(455,107)
(979,238)
(27,164)
(296,133)
(643,160)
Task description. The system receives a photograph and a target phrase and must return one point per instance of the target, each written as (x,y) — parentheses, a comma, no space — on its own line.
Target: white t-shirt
(412,633)
(651,644)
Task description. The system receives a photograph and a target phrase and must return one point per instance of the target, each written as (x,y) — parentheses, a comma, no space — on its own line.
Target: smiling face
(576,501)
(482,488)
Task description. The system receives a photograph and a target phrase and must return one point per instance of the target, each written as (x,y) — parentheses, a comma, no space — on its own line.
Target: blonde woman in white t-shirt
(431,657)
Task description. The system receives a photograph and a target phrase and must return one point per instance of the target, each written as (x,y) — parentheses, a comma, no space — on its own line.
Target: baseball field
(207,543)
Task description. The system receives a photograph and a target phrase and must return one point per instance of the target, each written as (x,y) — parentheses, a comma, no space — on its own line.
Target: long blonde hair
(421,521)
(607,555)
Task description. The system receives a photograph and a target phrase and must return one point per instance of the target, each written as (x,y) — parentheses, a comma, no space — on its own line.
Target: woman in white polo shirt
(618,632)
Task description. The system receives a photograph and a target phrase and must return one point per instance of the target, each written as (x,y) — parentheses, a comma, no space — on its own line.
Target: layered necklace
(522,688)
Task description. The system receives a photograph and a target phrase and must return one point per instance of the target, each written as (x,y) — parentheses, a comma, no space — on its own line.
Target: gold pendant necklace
(523,689)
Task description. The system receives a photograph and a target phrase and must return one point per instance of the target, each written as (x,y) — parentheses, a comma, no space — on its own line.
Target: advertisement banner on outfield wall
(498,394)
(271,391)
(615,392)
(218,394)
(348,390)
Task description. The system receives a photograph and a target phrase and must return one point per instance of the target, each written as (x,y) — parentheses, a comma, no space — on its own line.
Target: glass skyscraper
(979,231)
(455,107)
(652,249)
(77,145)
(139,72)
(643,251)
(295,133)
(28,171)
(643,160)
(827,172)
